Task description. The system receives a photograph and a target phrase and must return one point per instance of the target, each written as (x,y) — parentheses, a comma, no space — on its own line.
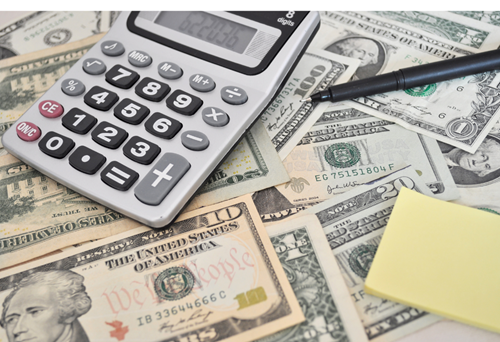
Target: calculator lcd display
(209,28)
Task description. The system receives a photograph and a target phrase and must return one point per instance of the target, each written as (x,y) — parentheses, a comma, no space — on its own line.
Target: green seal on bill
(342,155)
(422,91)
(174,283)
(361,258)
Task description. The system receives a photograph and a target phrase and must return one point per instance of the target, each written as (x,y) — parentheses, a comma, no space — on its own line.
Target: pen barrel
(449,69)
(365,87)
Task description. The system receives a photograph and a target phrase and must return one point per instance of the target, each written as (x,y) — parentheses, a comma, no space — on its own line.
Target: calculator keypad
(162,126)
(118,176)
(151,89)
(131,112)
(140,150)
(170,167)
(56,145)
(183,103)
(86,160)
(109,135)
(78,121)
(121,77)
(100,98)
(162,178)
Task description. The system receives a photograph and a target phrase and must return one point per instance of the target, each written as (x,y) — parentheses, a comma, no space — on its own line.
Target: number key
(100,98)
(56,145)
(131,112)
(121,77)
(109,135)
(140,150)
(162,126)
(183,103)
(78,121)
(151,89)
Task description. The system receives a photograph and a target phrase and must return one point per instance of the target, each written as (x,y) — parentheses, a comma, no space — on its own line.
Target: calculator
(149,112)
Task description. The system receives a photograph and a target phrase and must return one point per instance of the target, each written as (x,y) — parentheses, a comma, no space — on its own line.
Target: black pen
(411,77)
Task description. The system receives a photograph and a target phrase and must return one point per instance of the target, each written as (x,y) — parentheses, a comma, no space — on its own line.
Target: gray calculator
(149,112)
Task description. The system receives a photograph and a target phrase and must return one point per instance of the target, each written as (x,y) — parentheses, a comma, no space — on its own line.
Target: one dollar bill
(211,276)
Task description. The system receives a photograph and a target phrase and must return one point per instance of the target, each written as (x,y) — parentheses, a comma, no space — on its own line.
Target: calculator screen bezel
(268,18)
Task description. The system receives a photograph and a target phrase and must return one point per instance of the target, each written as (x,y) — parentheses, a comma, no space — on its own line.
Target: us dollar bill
(252,165)
(347,147)
(449,28)
(354,223)
(287,119)
(316,280)
(41,30)
(39,215)
(210,276)
(23,79)
(459,112)
(490,17)
(380,46)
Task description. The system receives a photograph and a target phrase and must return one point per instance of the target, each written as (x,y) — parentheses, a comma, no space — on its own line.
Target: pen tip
(306,100)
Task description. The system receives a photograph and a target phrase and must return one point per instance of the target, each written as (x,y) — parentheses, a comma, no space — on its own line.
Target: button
(28,131)
(162,126)
(140,150)
(118,176)
(50,109)
(215,116)
(139,58)
(112,48)
(183,103)
(131,112)
(86,160)
(121,77)
(233,95)
(109,135)
(56,145)
(161,179)
(72,87)
(94,66)
(201,83)
(100,98)
(194,140)
(170,71)
(78,121)
(151,89)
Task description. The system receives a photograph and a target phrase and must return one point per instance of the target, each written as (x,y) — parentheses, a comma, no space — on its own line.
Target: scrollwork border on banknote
(336,70)
(258,158)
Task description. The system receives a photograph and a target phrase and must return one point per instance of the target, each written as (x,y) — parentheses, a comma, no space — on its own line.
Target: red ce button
(50,109)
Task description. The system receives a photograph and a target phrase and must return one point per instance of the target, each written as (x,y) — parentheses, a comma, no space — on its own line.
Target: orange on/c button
(28,131)
(50,109)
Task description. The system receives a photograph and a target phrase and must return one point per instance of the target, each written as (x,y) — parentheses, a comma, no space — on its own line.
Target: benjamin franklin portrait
(45,306)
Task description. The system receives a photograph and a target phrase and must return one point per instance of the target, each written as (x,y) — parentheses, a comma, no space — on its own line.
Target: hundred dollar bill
(252,165)
(210,276)
(25,78)
(381,47)
(287,119)
(42,30)
(347,147)
(448,27)
(459,112)
(38,215)
(316,280)
(354,223)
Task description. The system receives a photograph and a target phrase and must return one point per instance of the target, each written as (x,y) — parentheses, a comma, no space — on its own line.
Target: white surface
(443,331)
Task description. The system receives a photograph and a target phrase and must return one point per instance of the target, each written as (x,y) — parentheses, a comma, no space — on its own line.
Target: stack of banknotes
(278,242)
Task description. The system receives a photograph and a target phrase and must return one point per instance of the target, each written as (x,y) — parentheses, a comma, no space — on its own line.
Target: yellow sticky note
(440,257)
